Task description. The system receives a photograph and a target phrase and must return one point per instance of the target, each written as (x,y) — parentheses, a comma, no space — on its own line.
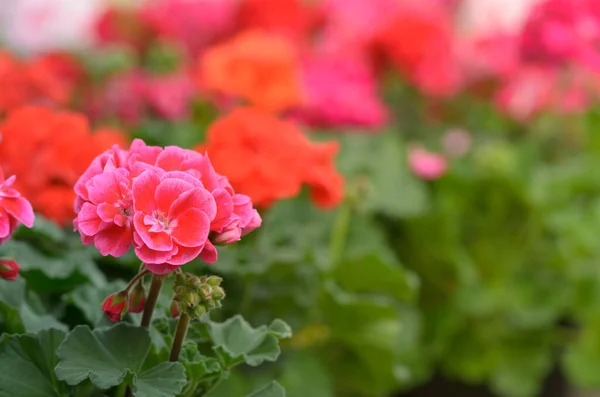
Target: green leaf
(273,389)
(164,380)
(18,315)
(393,190)
(108,356)
(105,356)
(371,273)
(303,365)
(582,357)
(28,363)
(235,341)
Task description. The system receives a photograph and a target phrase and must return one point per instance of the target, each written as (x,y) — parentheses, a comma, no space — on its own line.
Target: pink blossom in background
(562,31)
(169,96)
(131,95)
(192,23)
(425,164)
(526,93)
(340,92)
(14,209)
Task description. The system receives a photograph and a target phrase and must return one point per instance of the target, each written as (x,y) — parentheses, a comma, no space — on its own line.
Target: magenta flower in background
(192,23)
(340,92)
(169,96)
(425,164)
(563,31)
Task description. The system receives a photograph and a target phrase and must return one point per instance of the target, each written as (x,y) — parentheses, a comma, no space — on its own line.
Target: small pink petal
(169,190)
(20,208)
(155,241)
(209,254)
(88,221)
(144,186)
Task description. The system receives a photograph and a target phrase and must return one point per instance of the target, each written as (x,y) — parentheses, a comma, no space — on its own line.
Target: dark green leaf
(164,380)
(28,363)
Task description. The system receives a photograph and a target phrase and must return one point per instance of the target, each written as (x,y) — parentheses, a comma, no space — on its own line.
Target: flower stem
(155,286)
(138,276)
(182,327)
(339,234)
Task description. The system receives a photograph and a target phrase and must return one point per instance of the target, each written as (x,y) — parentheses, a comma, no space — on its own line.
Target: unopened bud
(218,293)
(214,281)
(9,269)
(137,299)
(192,299)
(199,311)
(180,290)
(205,292)
(194,282)
(174,309)
(115,306)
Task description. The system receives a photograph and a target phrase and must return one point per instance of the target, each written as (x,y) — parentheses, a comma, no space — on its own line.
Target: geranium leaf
(105,356)
(164,380)
(235,341)
(273,389)
(28,362)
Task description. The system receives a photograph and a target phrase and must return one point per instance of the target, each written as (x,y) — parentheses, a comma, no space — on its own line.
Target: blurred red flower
(48,150)
(269,159)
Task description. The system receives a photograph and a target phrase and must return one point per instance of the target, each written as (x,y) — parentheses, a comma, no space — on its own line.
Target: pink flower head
(425,164)
(341,92)
(14,209)
(165,202)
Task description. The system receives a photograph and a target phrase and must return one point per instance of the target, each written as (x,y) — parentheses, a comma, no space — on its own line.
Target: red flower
(9,269)
(115,306)
(50,157)
(269,159)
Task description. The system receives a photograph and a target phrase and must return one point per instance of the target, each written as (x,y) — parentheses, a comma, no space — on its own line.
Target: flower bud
(174,309)
(192,299)
(9,269)
(214,281)
(137,299)
(199,311)
(115,306)
(205,292)
(194,282)
(218,293)
(180,279)
(180,290)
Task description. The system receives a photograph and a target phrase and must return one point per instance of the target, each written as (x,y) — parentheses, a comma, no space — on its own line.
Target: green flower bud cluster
(197,295)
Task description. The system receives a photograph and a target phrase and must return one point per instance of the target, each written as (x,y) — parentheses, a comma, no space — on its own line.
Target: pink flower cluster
(169,203)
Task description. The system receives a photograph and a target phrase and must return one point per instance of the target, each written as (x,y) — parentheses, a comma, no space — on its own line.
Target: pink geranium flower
(170,204)
(172,215)
(14,209)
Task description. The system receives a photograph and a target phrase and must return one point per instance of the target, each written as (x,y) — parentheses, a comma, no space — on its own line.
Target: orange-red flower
(257,66)
(48,79)
(269,159)
(48,150)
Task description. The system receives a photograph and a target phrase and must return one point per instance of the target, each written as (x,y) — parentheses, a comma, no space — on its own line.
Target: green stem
(180,332)
(339,234)
(136,278)
(151,299)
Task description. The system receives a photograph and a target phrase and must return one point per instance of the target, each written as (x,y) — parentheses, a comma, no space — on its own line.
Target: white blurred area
(477,18)
(34,26)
